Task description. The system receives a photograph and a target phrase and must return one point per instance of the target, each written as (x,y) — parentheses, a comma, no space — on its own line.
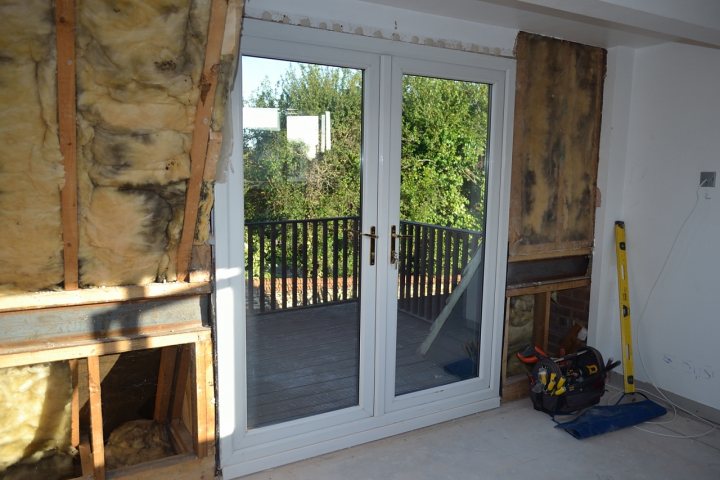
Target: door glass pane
(302,148)
(442,218)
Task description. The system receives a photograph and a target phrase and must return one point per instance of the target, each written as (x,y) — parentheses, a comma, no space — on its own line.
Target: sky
(255,70)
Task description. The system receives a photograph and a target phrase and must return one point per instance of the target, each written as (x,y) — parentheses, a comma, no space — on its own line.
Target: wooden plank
(553,286)
(506,342)
(166,372)
(183,372)
(96,423)
(180,436)
(201,133)
(213,155)
(179,467)
(201,438)
(37,300)
(558,109)
(86,458)
(201,264)
(541,323)
(54,352)
(103,320)
(515,388)
(74,405)
(67,133)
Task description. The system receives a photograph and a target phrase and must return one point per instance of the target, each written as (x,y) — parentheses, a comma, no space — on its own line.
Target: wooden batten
(67,132)
(166,372)
(74,406)
(201,134)
(96,424)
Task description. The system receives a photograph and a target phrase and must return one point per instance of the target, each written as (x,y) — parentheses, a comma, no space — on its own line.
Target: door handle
(394,255)
(372,235)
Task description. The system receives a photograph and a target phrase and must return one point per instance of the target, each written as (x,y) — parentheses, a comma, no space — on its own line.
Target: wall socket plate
(707,179)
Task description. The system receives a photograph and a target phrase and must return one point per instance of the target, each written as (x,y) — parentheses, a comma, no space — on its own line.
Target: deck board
(306,361)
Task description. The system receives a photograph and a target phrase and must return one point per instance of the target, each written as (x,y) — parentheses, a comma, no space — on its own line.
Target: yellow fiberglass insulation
(135,442)
(34,414)
(31,171)
(138,74)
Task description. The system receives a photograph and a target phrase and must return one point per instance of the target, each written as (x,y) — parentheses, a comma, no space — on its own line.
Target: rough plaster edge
(374,32)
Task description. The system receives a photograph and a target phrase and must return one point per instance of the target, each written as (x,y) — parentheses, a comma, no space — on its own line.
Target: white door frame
(243,452)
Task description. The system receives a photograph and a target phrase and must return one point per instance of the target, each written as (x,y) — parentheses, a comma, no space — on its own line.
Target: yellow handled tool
(624,295)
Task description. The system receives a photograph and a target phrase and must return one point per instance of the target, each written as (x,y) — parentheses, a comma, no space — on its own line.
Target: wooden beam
(96,423)
(181,439)
(201,134)
(107,346)
(551,286)
(89,296)
(541,323)
(201,439)
(74,405)
(164,384)
(67,132)
(183,372)
(86,458)
(178,467)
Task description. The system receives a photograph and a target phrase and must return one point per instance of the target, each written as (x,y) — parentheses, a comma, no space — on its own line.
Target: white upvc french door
(397,381)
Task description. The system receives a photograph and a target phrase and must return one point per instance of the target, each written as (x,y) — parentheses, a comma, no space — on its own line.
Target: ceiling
(605,23)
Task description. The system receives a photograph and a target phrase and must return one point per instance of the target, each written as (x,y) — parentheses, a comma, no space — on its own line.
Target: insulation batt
(138,74)
(31,171)
(135,442)
(34,416)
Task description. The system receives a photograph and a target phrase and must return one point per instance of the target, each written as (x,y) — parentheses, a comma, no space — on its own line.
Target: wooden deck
(305,362)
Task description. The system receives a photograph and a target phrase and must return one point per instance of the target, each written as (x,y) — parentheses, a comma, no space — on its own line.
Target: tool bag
(568,384)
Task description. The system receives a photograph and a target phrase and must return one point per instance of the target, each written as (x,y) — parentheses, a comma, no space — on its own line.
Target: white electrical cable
(660,394)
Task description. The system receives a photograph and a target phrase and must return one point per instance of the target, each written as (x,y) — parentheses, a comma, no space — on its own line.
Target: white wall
(672,134)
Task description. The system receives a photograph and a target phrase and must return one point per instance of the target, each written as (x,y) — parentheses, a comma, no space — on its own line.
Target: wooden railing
(304,263)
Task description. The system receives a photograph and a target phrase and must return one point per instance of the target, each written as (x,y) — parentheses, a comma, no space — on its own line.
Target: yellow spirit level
(624,297)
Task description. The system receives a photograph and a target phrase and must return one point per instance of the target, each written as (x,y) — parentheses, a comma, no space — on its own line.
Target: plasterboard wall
(671,136)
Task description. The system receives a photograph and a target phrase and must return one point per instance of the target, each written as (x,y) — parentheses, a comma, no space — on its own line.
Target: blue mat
(608,418)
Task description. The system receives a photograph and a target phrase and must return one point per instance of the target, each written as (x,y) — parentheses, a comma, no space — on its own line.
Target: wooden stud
(213,155)
(74,405)
(541,324)
(86,458)
(181,438)
(67,132)
(201,134)
(200,423)
(164,383)
(181,379)
(96,425)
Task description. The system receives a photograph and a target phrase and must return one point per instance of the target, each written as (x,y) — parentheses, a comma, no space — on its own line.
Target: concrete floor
(516,442)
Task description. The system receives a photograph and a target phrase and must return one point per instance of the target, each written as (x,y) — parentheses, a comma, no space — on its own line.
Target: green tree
(444,130)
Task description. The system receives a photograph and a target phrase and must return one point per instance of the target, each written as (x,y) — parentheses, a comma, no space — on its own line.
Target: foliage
(444,130)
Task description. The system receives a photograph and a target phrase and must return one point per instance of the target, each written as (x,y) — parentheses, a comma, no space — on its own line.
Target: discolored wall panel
(558,107)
